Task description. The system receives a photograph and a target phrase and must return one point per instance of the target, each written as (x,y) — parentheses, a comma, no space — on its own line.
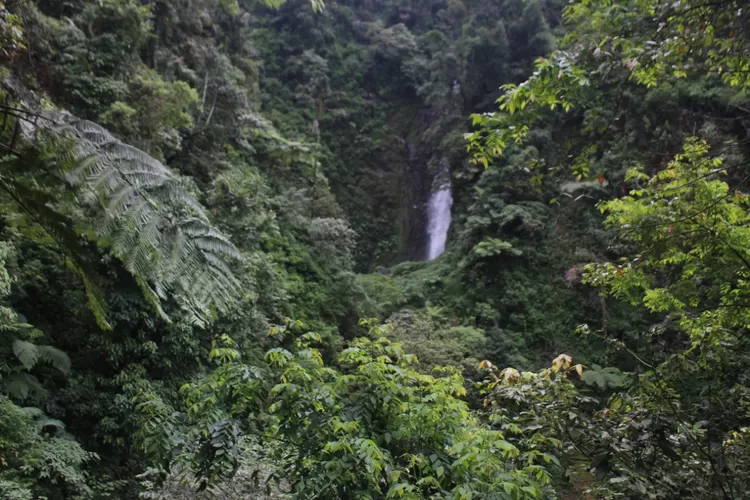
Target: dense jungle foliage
(214,231)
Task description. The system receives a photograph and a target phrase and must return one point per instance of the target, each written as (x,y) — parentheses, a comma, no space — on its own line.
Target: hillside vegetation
(214,233)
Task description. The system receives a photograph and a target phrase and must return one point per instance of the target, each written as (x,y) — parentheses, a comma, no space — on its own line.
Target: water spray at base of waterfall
(438,221)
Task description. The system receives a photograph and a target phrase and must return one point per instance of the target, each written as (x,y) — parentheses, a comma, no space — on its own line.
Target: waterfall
(438,221)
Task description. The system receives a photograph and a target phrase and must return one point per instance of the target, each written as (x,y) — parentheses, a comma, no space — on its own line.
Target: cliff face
(414,186)
(427,169)
(387,87)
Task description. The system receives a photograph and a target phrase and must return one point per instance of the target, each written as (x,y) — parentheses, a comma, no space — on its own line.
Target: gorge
(374,249)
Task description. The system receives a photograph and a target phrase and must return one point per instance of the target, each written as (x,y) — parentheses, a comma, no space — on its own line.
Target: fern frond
(178,196)
(134,206)
(160,232)
(153,298)
(29,355)
(33,411)
(22,384)
(26,353)
(55,357)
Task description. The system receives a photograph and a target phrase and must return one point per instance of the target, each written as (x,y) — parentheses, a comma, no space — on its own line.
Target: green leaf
(55,357)
(26,352)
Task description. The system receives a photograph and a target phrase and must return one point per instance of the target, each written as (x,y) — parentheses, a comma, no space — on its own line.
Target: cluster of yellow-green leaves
(368,426)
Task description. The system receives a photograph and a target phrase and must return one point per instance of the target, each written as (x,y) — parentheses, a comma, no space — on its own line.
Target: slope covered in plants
(215,226)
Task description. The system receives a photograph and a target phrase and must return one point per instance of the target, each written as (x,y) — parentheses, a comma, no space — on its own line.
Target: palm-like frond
(29,354)
(26,352)
(55,357)
(33,411)
(137,208)
(160,232)
(21,385)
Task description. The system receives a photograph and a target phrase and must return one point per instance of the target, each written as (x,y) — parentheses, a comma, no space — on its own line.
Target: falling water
(439,220)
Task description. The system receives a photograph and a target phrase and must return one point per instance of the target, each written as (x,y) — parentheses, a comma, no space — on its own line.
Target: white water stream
(438,221)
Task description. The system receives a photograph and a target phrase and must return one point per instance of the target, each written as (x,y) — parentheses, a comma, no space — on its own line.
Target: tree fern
(33,411)
(160,232)
(55,357)
(20,385)
(26,352)
(18,382)
(134,206)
